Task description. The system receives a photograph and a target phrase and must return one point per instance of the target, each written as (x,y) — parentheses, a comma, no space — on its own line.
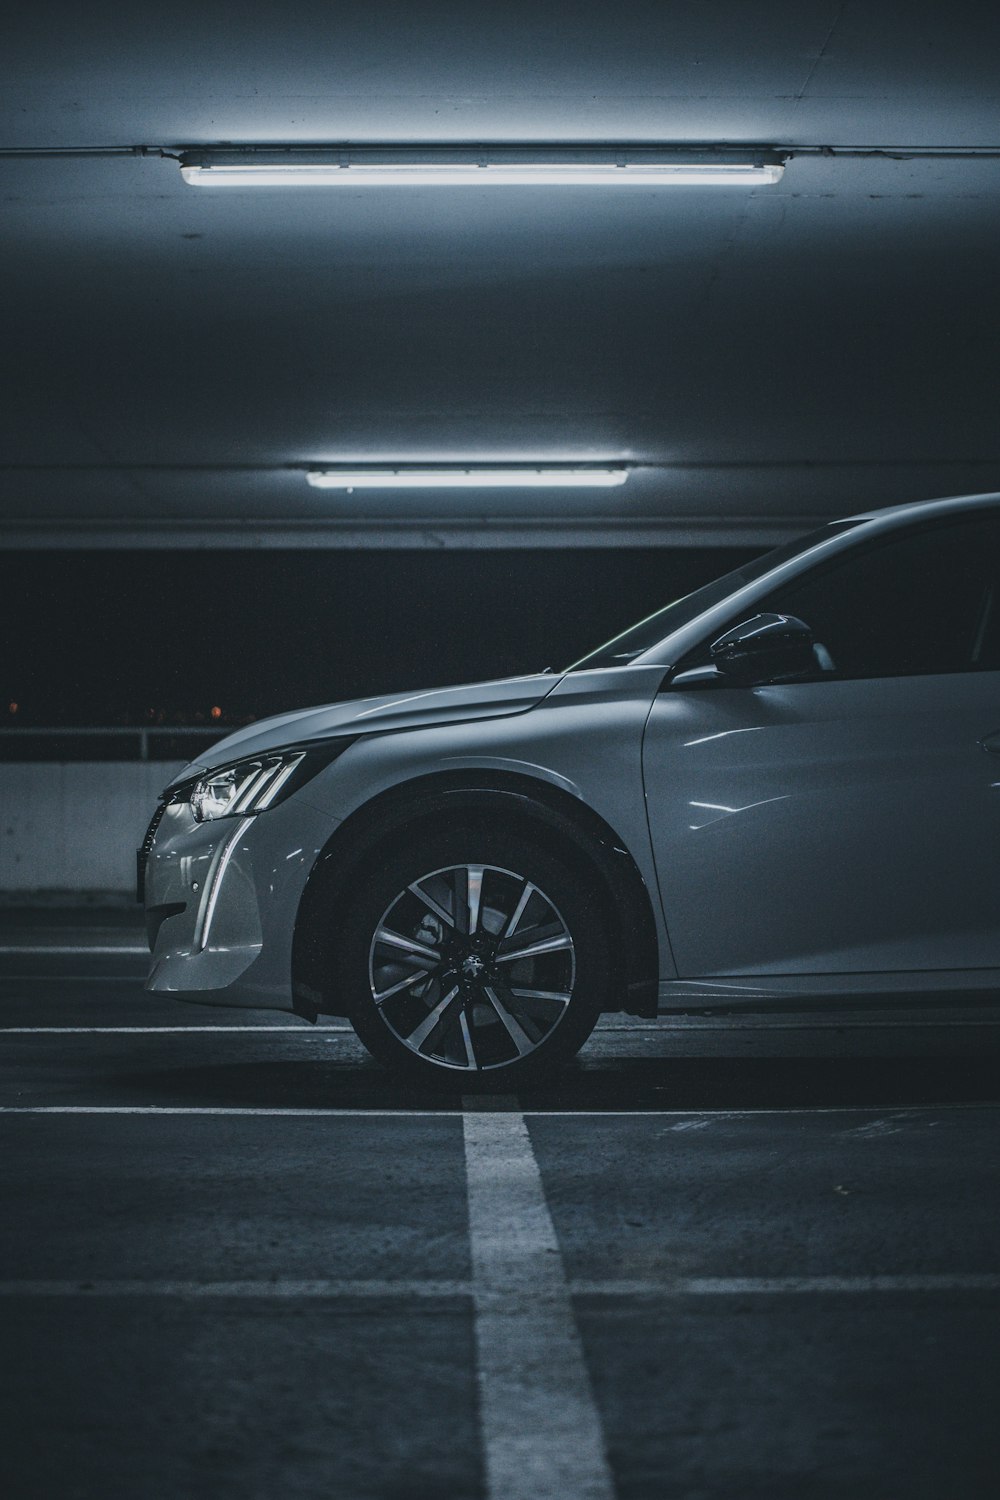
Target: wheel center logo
(473,967)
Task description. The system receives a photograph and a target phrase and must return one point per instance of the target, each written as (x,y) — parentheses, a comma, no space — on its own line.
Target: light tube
(478,165)
(409,479)
(489,174)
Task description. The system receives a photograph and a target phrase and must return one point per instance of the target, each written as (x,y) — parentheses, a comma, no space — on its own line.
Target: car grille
(142,853)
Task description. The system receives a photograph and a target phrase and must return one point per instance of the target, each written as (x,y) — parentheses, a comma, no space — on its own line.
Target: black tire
(504,1017)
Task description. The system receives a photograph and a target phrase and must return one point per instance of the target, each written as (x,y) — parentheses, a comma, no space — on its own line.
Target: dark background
(173,359)
(161,637)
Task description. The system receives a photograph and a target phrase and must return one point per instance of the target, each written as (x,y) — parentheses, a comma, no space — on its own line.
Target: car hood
(451,705)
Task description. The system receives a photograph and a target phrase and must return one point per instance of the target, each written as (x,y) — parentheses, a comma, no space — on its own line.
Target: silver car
(779,792)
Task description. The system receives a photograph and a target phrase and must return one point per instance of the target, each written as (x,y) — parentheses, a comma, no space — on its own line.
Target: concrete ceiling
(173,358)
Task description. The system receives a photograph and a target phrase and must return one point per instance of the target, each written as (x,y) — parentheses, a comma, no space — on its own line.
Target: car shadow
(691,1085)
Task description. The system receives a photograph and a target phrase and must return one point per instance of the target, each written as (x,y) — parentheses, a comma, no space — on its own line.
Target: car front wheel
(474,960)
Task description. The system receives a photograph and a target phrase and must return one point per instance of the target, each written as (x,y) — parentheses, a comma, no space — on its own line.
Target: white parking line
(37,978)
(861,1023)
(541,1429)
(333,1113)
(302,1026)
(778,1286)
(681,1286)
(279,1287)
(293,1112)
(25,950)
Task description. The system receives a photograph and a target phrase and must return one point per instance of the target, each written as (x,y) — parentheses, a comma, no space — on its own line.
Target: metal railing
(139,740)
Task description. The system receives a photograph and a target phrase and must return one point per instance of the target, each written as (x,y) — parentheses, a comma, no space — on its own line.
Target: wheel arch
(562,821)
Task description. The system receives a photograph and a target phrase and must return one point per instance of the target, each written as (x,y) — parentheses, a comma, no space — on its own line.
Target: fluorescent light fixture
(541,166)
(471,479)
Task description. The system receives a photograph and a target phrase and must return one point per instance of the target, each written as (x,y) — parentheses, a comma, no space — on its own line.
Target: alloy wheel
(472,967)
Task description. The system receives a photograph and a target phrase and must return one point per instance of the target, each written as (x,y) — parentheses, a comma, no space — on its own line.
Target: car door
(849,823)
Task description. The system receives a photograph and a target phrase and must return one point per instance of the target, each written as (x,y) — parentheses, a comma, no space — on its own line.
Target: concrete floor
(713,1261)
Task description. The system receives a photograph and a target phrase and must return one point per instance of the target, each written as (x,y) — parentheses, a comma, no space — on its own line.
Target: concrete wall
(75,828)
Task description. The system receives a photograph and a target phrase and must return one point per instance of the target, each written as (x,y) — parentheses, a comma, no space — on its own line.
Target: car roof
(915,510)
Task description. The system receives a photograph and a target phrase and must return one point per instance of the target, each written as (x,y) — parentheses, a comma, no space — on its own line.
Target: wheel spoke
(431,1021)
(533,934)
(470,1053)
(434,906)
(562,996)
(535,1022)
(417,977)
(474,895)
(534,950)
(407,945)
(522,1041)
(518,911)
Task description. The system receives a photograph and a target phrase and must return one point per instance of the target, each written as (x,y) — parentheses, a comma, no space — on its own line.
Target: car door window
(924,603)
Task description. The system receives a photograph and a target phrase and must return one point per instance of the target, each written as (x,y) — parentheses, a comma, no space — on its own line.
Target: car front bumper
(221,900)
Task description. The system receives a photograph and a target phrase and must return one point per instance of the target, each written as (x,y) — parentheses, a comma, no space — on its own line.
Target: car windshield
(632,643)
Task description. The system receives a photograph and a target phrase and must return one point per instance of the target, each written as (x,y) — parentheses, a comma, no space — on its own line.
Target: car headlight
(251,785)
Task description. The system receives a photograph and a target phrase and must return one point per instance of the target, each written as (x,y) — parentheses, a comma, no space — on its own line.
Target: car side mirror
(768,648)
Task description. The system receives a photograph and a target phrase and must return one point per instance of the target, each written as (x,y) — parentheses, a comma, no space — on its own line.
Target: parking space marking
(50,950)
(782,1286)
(862,1023)
(540,1426)
(42,978)
(332,1112)
(302,1026)
(320,1288)
(292,1111)
(278,1287)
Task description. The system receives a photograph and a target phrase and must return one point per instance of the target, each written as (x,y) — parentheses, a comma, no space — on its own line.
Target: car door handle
(991,742)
